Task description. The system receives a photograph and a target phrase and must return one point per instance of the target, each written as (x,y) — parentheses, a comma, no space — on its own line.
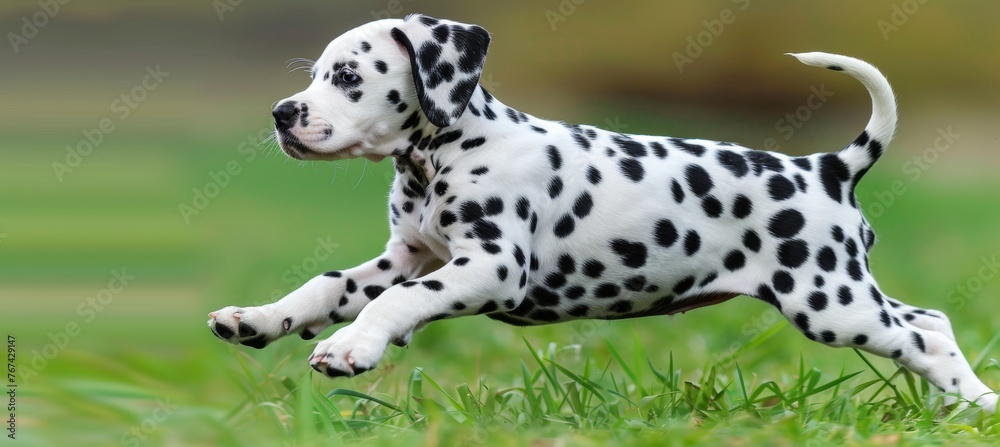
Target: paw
(249,326)
(350,351)
(988,402)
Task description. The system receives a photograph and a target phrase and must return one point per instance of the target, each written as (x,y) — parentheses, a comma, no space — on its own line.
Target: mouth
(295,148)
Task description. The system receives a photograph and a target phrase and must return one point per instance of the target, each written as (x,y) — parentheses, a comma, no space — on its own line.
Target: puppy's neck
(431,148)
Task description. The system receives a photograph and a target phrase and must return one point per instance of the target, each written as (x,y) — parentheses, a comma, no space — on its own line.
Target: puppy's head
(375,83)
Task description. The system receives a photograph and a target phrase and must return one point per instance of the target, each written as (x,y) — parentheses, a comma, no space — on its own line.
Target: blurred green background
(93,184)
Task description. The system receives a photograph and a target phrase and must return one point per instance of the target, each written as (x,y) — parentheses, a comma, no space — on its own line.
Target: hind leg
(855,313)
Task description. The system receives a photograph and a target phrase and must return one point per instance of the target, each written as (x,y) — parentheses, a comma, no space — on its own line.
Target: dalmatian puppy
(530,221)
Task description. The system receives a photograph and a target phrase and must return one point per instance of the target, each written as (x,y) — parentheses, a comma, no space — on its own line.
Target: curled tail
(862,153)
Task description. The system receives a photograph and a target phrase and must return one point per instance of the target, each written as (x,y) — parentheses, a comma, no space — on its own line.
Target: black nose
(284,114)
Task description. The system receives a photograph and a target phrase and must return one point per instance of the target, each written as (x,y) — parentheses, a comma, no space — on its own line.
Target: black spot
(635,283)
(692,242)
(447,218)
(632,169)
(384,264)
(742,206)
(828,336)
(555,280)
(584,203)
(875,295)
(860,339)
(762,161)
(365,46)
(502,273)
(373,292)
(886,320)
(854,269)
(441,33)
(351,286)
(919,341)
(519,256)
(593,268)
(565,226)
(433,284)
(851,247)
(630,146)
(833,172)
(735,260)
(765,294)
(734,162)
(783,281)
(751,241)
(698,180)
(694,149)
(446,138)
(658,149)
(632,254)
(393,96)
(546,315)
(665,233)
(382,67)
(711,206)
(706,280)
(494,206)
(441,188)
(579,311)
(802,162)
(574,292)
(837,233)
(802,321)
(412,121)
(473,143)
(793,253)
(490,247)
(333,274)
(471,211)
(607,290)
(897,353)
(684,285)
(486,230)
(489,114)
(620,307)
(581,141)
(480,170)
(567,265)
(355,95)
(780,188)
(818,281)
(677,191)
(786,223)
(817,301)
(800,182)
(826,259)
(522,207)
(555,187)
(593,175)
(554,158)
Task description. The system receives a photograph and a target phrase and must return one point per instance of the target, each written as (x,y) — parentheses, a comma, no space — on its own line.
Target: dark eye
(348,76)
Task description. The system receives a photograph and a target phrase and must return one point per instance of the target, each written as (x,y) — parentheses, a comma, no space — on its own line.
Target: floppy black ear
(447,59)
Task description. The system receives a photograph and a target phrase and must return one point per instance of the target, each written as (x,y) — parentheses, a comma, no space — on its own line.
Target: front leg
(330,298)
(483,277)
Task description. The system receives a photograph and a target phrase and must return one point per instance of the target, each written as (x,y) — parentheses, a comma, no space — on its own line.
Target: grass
(144,369)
